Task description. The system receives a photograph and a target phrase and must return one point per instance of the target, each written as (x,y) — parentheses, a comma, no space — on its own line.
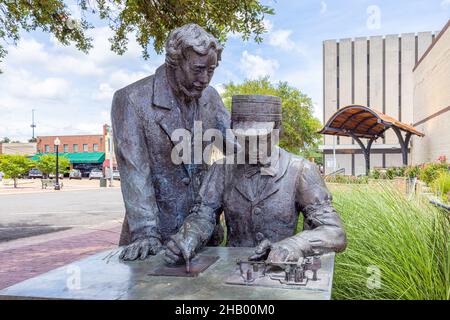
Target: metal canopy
(78,157)
(360,122)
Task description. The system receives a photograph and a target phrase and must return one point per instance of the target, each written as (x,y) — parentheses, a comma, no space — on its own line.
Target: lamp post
(110,157)
(57,143)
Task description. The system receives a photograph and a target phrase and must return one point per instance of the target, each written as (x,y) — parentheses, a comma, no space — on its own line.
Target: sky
(71,92)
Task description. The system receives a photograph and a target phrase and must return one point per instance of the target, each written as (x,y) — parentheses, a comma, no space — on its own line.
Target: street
(63,210)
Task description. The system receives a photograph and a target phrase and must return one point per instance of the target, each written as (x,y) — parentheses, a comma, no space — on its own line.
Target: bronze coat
(157,193)
(271,212)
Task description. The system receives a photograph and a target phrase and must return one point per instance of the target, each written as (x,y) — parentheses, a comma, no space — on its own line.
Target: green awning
(79,157)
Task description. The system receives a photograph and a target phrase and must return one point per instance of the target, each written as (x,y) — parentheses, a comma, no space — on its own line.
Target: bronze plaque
(199,264)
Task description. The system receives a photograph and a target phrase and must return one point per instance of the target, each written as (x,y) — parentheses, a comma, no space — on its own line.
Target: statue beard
(189,95)
(178,87)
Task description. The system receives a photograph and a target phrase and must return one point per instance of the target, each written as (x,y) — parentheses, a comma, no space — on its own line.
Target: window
(75,148)
(85,147)
(47,148)
(95,147)
(66,148)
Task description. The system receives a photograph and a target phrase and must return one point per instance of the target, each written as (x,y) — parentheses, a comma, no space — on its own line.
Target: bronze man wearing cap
(157,192)
(262,197)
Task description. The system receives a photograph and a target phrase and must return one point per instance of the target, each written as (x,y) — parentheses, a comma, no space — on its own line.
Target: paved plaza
(40,231)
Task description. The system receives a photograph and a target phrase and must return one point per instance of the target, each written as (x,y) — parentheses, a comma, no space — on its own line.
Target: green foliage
(441,185)
(375,174)
(389,173)
(406,240)
(431,171)
(5,140)
(299,133)
(347,179)
(149,21)
(52,16)
(14,166)
(47,164)
(412,171)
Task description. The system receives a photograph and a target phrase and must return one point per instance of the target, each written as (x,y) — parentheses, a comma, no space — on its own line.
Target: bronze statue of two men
(175,206)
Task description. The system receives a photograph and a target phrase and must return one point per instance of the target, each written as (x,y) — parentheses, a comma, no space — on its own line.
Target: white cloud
(104,92)
(220,87)
(281,38)
(71,91)
(323,7)
(445,4)
(254,66)
(49,88)
(121,78)
(268,25)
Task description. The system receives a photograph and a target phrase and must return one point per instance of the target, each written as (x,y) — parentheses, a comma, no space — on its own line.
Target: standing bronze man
(262,201)
(157,192)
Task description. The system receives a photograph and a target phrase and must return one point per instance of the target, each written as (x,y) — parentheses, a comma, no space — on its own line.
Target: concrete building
(28,149)
(71,144)
(376,72)
(431,114)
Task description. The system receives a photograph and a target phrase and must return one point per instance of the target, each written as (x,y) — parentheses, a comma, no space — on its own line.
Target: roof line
(432,44)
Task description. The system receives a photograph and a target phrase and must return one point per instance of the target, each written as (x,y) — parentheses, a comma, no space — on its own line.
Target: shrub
(441,185)
(346,179)
(375,174)
(407,241)
(430,171)
(412,172)
(391,173)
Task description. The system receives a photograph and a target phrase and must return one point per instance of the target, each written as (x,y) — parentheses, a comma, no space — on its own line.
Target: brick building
(28,149)
(85,152)
(71,144)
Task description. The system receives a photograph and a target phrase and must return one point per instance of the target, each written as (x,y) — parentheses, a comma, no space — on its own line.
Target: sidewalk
(35,186)
(27,258)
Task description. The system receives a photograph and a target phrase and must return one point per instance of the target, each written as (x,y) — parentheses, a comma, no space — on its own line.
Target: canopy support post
(365,149)
(404,143)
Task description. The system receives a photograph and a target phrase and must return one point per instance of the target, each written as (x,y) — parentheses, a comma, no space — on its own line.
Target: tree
(47,164)
(299,133)
(14,166)
(149,20)
(5,140)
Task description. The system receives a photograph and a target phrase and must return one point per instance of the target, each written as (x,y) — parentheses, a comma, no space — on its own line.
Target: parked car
(95,174)
(52,176)
(75,174)
(35,174)
(116,175)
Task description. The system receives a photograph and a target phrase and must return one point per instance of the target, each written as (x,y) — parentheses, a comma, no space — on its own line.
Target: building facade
(71,144)
(432,101)
(108,140)
(376,72)
(24,149)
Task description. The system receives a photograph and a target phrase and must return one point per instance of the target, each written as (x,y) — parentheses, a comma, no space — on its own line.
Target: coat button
(186,181)
(257,211)
(259,237)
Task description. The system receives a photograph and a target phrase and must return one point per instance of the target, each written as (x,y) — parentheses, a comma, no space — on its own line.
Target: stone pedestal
(104,276)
